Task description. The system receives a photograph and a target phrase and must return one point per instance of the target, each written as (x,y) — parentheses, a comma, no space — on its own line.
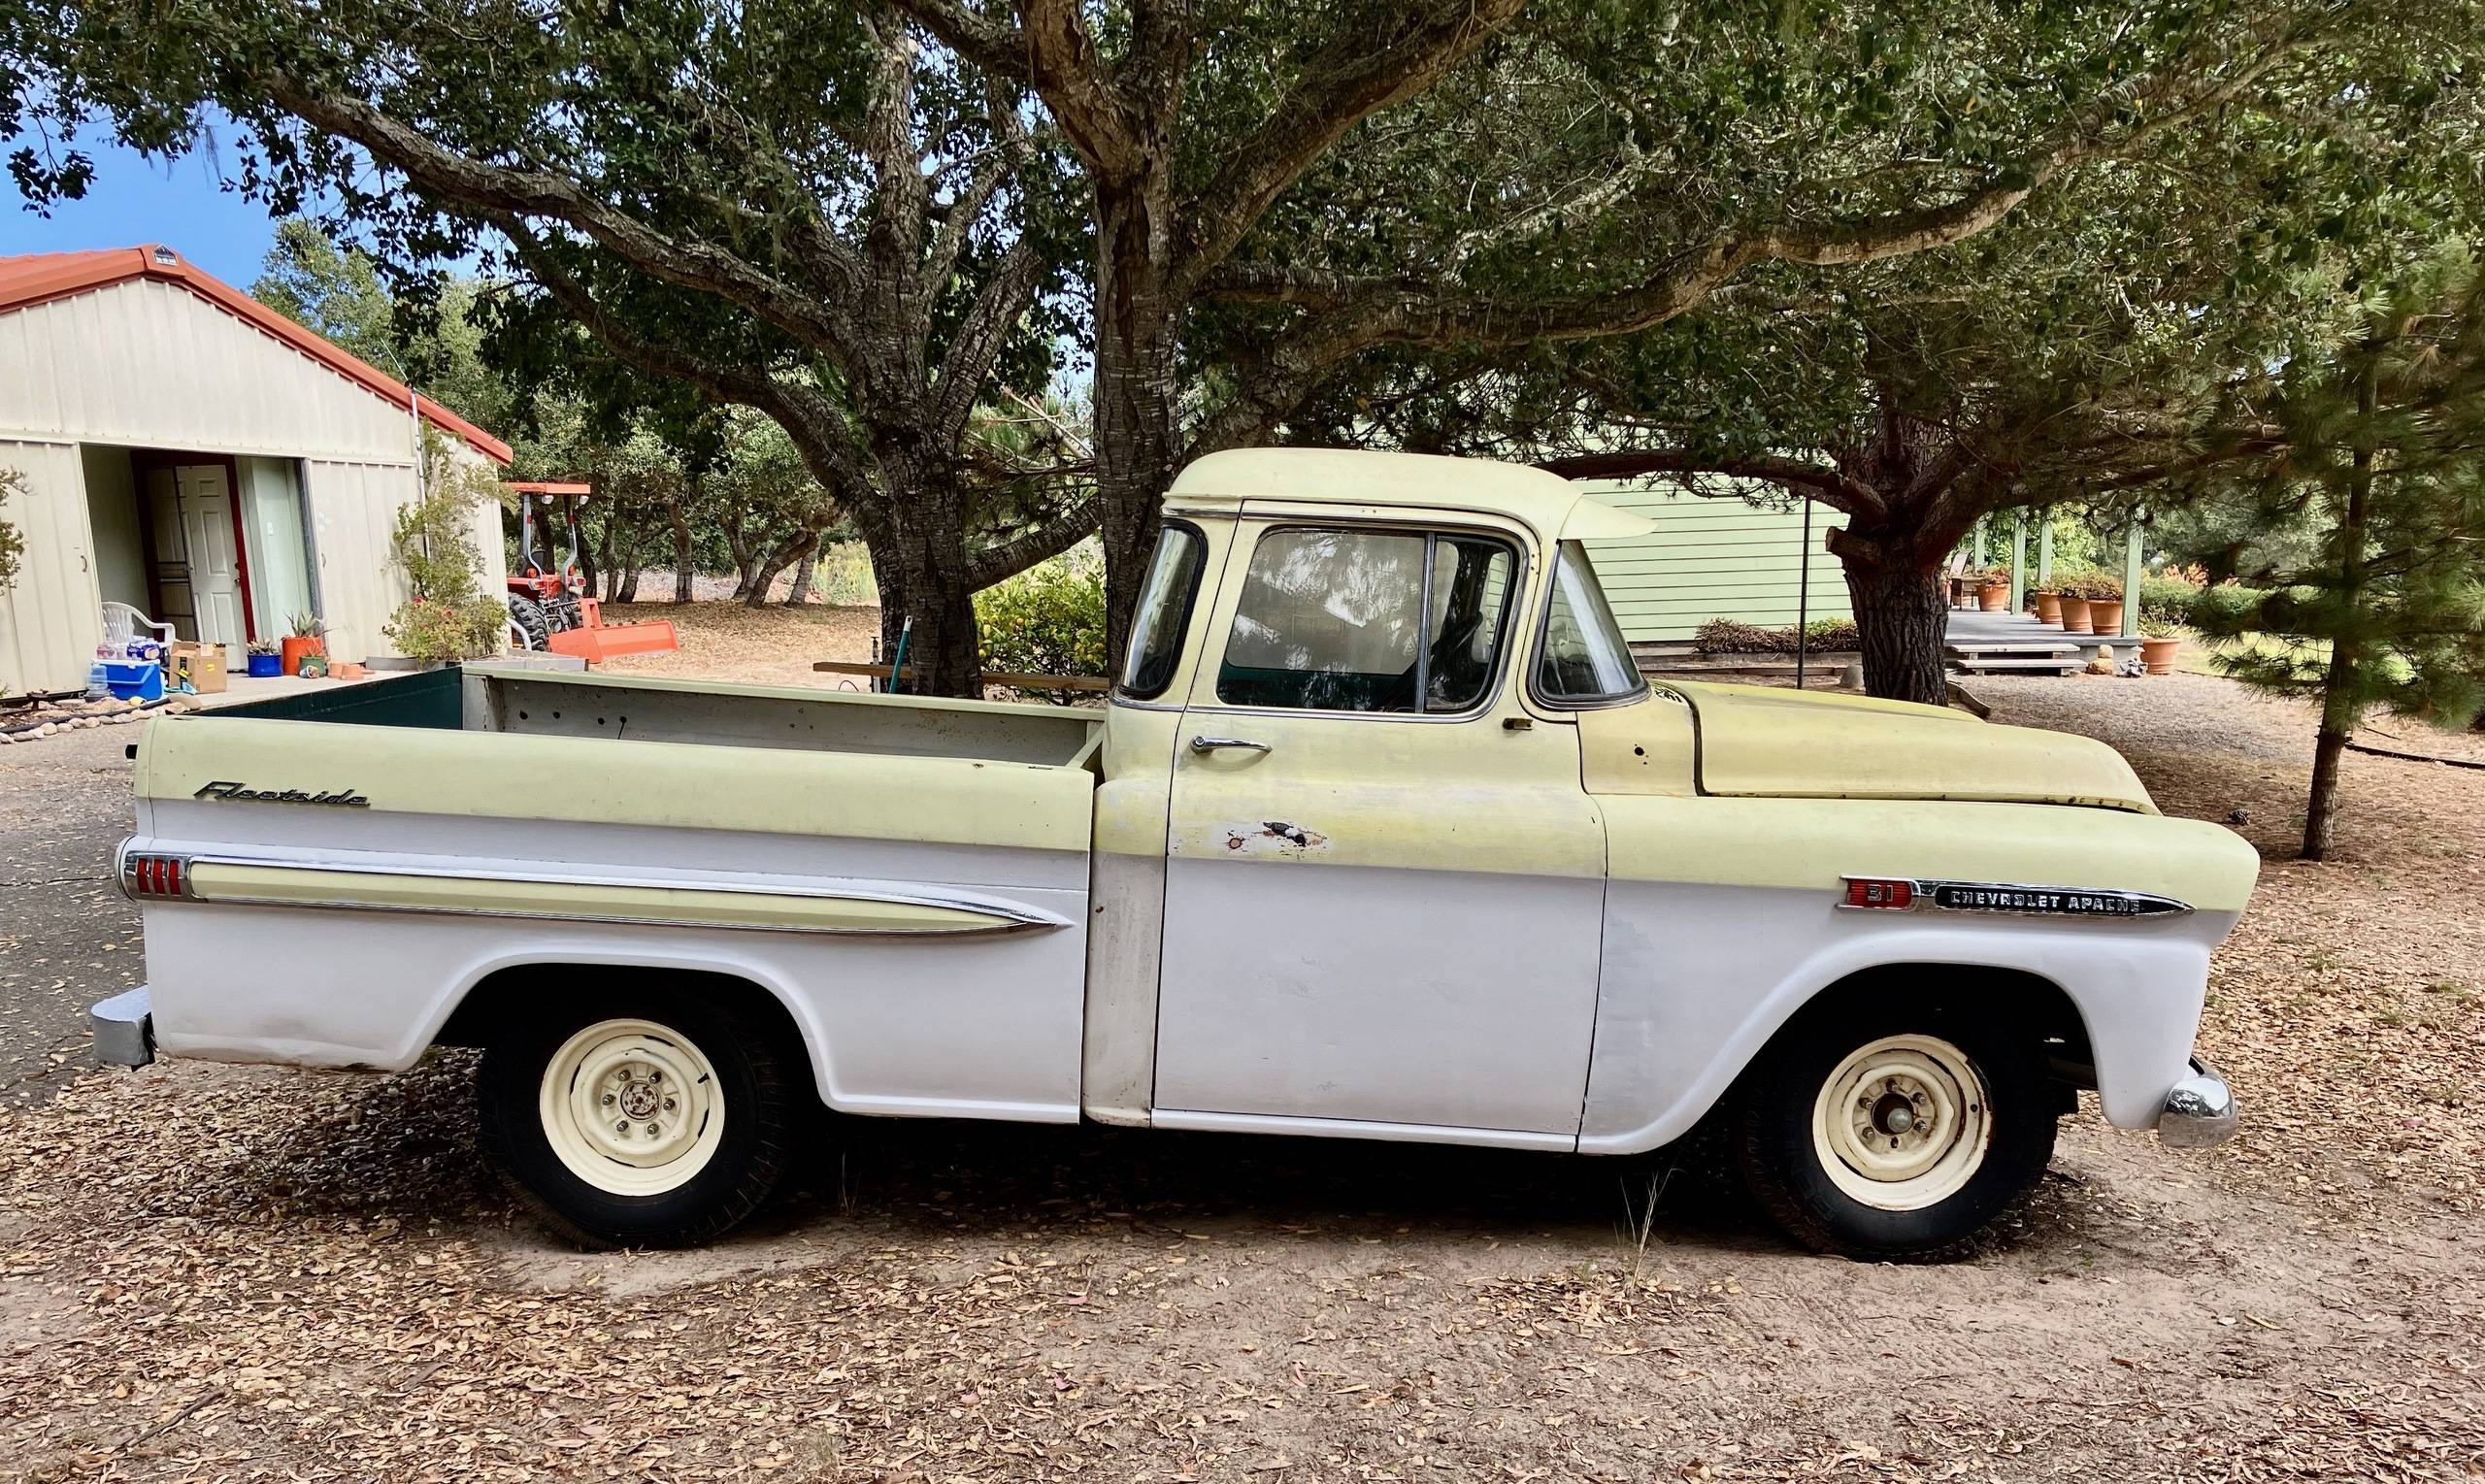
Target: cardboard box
(201,665)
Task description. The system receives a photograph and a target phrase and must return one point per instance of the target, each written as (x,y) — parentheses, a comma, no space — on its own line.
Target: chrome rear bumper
(124,1027)
(2200,1111)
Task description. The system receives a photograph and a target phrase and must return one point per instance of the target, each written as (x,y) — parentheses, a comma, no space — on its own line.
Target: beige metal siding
(1714,557)
(151,365)
(352,508)
(49,622)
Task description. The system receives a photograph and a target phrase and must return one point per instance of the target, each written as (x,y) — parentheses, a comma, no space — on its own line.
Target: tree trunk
(684,574)
(1902,614)
(920,566)
(2342,690)
(1134,427)
(627,590)
(805,564)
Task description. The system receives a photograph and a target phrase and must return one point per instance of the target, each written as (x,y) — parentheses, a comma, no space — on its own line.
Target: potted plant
(1993,590)
(2048,605)
(2105,595)
(2160,641)
(309,637)
(264,665)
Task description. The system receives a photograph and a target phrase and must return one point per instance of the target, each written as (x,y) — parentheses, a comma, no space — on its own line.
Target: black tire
(759,1096)
(1783,1098)
(526,616)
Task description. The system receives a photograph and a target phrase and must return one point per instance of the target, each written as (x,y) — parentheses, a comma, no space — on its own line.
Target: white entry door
(203,501)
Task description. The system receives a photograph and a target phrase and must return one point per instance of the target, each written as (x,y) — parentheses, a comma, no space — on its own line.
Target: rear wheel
(1894,1133)
(639,1119)
(526,619)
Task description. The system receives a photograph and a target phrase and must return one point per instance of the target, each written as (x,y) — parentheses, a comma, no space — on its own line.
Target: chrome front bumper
(124,1027)
(2200,1111)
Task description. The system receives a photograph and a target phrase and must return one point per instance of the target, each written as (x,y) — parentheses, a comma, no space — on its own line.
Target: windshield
(1584,659)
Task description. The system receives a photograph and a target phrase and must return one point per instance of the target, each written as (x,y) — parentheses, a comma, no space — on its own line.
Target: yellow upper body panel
(1551,506)
(1758,742)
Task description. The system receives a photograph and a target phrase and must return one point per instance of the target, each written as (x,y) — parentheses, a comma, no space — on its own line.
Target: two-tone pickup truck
(1383,836)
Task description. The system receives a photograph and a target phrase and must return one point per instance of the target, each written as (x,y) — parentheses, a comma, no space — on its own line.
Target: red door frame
(142,459)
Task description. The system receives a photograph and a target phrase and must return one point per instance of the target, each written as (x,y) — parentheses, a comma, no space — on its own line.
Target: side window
(1339,620)
(1583,658)
(1164,612)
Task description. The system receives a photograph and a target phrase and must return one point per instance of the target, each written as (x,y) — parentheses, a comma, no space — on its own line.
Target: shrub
(1728,636)
(12,545)
(2166,600)
(1047,620)
(448,617)
(2089,583)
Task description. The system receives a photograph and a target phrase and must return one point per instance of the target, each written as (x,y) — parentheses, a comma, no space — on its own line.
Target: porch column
(2131,582)
(2018,561)
(2046,553)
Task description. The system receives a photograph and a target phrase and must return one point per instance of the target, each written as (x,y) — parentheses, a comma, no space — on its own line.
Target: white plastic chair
(121,624)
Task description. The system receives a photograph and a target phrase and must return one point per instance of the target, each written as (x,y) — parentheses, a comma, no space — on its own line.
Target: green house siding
(1713,557)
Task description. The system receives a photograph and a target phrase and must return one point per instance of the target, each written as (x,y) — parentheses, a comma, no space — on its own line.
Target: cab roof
(1553,507)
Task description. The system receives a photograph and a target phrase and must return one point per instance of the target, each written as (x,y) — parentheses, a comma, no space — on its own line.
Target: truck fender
(572,953)
(1672,1040)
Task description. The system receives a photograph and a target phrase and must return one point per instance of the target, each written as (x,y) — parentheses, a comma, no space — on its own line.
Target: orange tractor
(550,610)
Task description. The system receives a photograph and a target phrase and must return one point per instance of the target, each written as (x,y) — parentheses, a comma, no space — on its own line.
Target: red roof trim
(26,282)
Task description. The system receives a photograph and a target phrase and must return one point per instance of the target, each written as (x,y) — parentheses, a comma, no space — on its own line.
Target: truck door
(1384,885)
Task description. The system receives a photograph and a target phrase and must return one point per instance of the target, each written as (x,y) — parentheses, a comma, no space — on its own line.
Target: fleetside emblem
(1901,894)
(232,792)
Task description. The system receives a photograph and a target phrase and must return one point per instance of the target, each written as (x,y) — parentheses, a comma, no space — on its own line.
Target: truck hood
(1762,742)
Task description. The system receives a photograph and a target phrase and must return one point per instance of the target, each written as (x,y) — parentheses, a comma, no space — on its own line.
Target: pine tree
(2368,449)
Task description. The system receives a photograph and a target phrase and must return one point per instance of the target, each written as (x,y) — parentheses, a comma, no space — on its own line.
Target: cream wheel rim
(632,1107)
(1902,1123)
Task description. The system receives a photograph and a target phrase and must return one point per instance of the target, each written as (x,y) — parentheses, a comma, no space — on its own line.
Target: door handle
(1213,743)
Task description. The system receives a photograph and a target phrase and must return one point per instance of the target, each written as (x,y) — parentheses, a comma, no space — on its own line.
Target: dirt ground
(233,1273)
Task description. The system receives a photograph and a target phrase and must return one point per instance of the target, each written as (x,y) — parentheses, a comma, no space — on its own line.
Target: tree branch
(994,564)
(1832,487)
(485,188)
(994,47)
(1351,78)
(981,337)
(804,414)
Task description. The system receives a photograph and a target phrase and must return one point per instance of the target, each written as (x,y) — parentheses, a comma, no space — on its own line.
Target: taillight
(153,877)
(1880,892)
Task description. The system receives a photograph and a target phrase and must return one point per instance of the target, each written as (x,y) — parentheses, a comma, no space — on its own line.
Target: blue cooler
(134,679)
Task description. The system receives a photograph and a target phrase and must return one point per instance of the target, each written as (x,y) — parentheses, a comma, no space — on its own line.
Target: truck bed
(545,703)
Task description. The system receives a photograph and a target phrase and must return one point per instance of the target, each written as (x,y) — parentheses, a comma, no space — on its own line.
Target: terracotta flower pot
(2105,616)
(2073,612)
(2048,607)
(2158,655)
(293,646)
(1994,597)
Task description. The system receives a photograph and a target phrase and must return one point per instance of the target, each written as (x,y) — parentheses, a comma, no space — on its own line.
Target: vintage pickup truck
(1383,836)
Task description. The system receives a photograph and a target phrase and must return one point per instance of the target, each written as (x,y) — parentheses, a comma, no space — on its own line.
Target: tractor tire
(526,619)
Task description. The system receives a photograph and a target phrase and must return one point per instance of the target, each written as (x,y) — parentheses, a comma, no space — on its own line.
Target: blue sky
(135,200)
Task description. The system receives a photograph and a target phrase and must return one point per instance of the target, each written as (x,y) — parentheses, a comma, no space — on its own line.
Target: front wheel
(636,1119)
(1893,1136)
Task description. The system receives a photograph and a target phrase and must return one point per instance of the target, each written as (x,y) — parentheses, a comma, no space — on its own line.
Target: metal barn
(197,456)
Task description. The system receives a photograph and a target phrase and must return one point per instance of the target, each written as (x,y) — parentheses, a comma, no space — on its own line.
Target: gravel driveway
(67,937)
(221,1273)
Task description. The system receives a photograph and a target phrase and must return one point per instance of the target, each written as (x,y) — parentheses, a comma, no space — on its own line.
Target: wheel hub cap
(1902,1123)
(632,1107)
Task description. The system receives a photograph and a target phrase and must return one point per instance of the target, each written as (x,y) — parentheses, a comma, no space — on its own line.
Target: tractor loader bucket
(604,642)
